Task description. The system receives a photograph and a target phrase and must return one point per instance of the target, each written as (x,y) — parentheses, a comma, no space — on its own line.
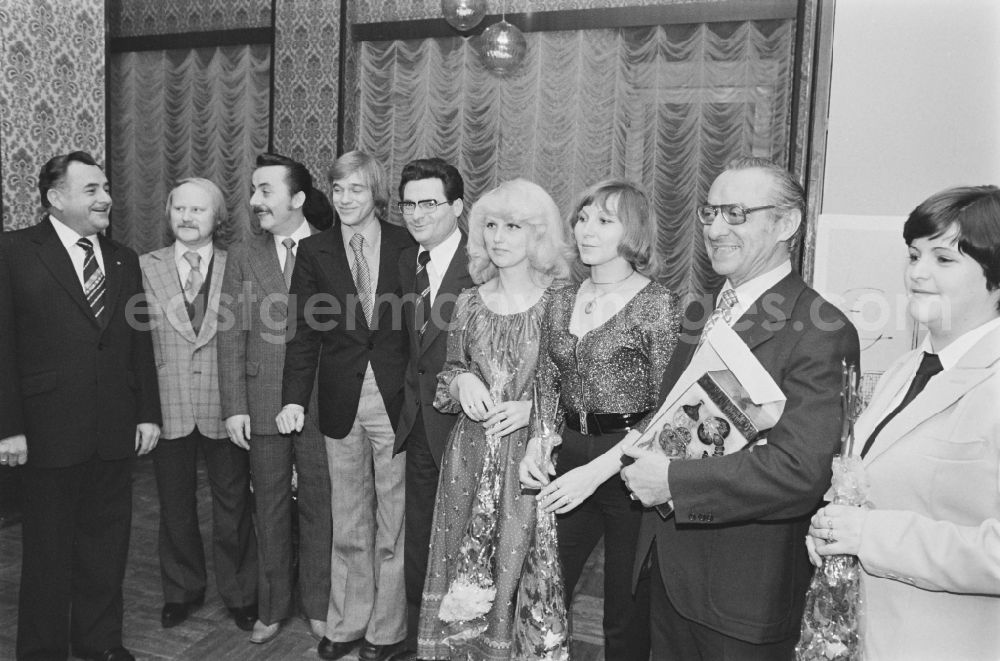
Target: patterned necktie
(422,315)
(723,310)
(289,243)
(195,279)
(930,365)
(93,279)
(362,276)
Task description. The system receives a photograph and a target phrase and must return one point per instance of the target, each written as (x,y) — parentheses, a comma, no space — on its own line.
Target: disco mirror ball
(463,15)
(502,47)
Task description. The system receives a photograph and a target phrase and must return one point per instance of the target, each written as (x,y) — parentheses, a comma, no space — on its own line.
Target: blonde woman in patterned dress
(517,248)
(605,344)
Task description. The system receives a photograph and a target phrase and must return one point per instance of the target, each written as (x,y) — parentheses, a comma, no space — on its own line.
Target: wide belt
(595,424)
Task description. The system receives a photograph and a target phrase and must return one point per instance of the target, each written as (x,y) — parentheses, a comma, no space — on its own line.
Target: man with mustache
(253,312)
(78,401)
(183,282)
(348,329)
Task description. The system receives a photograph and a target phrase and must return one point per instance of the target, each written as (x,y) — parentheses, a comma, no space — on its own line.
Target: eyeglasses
(733,214)
(407,208)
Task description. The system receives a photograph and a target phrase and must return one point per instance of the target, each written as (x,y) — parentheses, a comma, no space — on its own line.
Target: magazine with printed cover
(724,402)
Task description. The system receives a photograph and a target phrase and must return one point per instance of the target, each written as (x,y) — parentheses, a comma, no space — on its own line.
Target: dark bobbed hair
(225,229)
(53,173)
(525,202)
(371,173)
(974,212)
(434,168)
(631,207)
(316,207)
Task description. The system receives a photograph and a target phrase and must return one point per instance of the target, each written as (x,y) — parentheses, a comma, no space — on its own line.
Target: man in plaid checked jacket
(183,282)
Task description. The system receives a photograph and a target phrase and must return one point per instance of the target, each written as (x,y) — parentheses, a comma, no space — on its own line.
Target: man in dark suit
(728,572)
(78,400)
(254,306)
(433,274)
(348,324)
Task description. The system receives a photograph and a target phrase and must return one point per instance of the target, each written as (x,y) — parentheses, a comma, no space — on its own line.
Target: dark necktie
(93,279)
(362,276)
(930,365)
(289,243)
(424,288)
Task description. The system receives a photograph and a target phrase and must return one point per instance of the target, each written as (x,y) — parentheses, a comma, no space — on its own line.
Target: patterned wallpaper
(51,93)
(130,18)
(307,45)
(374,11)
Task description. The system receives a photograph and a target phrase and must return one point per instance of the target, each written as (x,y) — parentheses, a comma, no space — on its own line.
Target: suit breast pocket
(36,384)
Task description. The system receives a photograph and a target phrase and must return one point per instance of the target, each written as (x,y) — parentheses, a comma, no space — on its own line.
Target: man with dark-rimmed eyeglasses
(432,273)
(727,572)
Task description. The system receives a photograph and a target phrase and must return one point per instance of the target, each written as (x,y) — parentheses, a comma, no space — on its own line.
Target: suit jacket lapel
(769,313)
(451,285)
(265,264)
(166,285)
(941,392)
(53,255)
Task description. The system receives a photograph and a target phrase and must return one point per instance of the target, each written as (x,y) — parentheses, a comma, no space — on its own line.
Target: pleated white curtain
(664,106)
(184,113)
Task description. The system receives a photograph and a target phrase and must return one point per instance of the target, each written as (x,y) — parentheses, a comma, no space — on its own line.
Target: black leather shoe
(175,612)
(110,654)
(404,655)
(245,616)
(330,650)
(373,652)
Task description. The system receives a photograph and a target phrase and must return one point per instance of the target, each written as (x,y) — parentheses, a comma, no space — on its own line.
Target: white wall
(915,102)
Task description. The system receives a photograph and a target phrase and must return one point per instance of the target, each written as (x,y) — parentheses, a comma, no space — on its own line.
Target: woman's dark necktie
(930,365)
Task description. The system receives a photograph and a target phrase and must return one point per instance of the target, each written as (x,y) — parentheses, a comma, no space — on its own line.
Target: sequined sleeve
(547,373)
(457,360)
(658,322)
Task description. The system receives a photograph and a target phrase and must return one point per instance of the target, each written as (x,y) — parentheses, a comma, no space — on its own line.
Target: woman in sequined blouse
(605,344)
(517,247)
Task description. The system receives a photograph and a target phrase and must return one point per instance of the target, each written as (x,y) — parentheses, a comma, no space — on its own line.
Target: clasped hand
(835,530)
(498,419)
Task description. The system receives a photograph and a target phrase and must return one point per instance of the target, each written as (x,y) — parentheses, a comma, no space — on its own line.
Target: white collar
(748,293)
(303,231)
(953,353)
(442,253)
(205,252)
(69,236)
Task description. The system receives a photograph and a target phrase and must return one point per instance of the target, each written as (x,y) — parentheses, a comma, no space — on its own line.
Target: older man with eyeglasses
(727,573)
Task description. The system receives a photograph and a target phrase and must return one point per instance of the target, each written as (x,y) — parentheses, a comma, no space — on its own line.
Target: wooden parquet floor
(209,634)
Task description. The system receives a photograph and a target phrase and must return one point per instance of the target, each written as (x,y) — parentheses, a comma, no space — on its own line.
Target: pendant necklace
(589,307)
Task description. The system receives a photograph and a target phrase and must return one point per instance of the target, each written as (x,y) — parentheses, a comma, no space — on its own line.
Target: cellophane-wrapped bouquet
(830,630)
(541,629)
(471,593)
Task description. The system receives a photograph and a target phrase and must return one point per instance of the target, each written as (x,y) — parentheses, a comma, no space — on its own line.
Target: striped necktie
(362,276)
(423,310)
(723,310)
(93,279)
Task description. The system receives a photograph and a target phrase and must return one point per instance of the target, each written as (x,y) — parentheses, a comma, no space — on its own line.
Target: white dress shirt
(748,293)
(69,237)
(303,231)
(184,267)
(441,256)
